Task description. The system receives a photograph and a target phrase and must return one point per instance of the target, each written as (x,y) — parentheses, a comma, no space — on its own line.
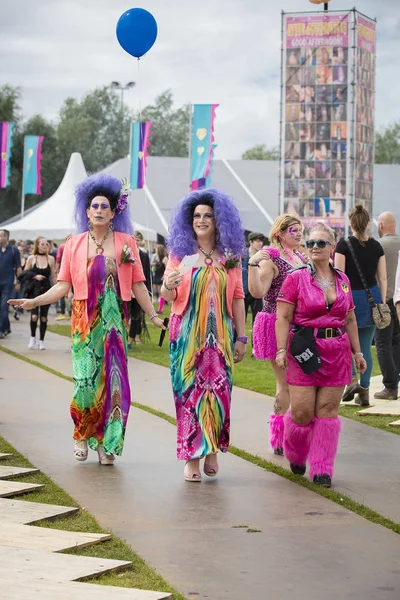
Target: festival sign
(315,116)
(365,104)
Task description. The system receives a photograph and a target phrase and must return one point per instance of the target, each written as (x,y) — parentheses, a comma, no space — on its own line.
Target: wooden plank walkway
(7,472)
(50,540)
(15,488)
(20,511)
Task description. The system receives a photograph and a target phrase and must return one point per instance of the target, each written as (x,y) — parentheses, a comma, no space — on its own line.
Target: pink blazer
(75,259)
(234,287)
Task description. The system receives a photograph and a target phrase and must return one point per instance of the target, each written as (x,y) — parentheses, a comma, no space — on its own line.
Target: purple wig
(105,185)
(229,230)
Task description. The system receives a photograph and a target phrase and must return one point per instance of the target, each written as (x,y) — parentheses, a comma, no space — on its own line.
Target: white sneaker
(105,459)
(32,342)
(41,345)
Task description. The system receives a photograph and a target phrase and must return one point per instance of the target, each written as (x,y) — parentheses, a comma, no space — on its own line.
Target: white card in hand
(187,263)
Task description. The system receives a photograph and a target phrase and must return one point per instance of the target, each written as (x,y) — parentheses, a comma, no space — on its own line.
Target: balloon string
(146,200)
(140,102)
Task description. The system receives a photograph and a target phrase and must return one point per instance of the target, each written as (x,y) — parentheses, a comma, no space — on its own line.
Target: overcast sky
(218,51)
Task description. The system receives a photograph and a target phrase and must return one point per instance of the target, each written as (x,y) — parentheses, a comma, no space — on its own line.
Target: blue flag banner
(32,164)
(202,144)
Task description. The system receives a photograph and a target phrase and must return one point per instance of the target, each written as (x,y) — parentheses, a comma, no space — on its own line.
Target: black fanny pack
(303,348)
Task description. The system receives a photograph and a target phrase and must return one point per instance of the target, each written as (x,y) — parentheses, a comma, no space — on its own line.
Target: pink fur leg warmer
(276,431)
(161,304)
(324,444)
(296,440)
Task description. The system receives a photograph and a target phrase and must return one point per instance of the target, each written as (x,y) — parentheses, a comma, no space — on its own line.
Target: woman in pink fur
(265,280)
(316,316)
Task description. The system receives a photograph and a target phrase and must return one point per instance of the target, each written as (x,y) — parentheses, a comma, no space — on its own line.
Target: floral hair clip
(123,198)
(230,260)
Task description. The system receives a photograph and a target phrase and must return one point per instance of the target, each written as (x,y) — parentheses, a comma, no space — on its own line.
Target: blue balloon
(137,31)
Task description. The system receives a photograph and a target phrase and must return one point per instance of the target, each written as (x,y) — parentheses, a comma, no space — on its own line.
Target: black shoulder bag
(380,312)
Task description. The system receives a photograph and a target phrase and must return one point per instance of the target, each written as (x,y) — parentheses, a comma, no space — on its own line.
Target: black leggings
(40,312)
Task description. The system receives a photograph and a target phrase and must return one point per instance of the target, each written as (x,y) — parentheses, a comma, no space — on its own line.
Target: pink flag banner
(6,134)
(140,142)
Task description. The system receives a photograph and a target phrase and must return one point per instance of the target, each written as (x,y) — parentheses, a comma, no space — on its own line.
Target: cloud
(225,51)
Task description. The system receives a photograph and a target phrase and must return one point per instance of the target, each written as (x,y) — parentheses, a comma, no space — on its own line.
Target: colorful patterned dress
(201,352)
(101,399)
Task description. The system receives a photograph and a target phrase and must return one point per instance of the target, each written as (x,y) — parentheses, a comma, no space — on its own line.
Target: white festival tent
(54,218)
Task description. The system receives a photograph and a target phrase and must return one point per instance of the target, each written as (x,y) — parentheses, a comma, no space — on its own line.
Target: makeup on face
(197,216)
(102,205)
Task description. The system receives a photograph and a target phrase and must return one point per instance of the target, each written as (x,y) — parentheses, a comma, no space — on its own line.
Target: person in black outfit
(10,266)
(137,315)
(39,276)
(371,258)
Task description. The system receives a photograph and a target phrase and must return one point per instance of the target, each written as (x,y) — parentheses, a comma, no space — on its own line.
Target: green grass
(250,374)
(139,575)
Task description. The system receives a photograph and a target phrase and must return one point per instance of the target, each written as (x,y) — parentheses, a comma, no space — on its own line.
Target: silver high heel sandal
(105,459)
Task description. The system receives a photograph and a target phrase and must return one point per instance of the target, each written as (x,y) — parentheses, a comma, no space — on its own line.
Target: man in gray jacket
(387,341)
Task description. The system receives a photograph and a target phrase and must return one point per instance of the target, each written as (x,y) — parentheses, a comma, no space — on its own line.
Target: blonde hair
(36,245)
(281,224)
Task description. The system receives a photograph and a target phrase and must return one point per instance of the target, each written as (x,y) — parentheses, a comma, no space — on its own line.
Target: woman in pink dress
(265,281)
(315,318)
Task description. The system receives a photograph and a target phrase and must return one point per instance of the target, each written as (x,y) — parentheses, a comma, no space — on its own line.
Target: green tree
(261,152)
(9,103)
(96,127)
(170,130)
(387,145)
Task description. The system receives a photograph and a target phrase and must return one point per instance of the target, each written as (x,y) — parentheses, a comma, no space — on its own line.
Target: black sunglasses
(321,244)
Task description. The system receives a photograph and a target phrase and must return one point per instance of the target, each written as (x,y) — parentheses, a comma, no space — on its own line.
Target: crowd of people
(316,305)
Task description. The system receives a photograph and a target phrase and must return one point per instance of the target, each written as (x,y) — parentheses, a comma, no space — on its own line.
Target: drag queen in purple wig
(207,311)
(102,265)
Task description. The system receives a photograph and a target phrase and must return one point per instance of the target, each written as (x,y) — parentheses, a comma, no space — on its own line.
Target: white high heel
(105,459)
(81,450)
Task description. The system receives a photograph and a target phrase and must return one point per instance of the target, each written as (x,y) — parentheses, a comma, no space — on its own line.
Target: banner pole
(190,143)
(23,177)
(281,124)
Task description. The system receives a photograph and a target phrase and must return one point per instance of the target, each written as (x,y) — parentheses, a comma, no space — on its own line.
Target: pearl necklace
(208,261)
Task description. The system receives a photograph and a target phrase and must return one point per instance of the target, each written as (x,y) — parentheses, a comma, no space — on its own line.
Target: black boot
(323,480)
(298,469)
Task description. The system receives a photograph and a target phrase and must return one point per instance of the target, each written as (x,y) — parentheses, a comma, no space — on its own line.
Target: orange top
(234,287)
(75,258)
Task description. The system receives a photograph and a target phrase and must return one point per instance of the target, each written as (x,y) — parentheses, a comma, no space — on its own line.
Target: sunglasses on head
(321,244)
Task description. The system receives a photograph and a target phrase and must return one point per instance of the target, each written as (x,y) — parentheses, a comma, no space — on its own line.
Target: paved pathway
(305,546)
(367,465)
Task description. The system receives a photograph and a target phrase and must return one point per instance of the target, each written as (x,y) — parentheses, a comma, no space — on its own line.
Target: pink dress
(264,340)
(301,290)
